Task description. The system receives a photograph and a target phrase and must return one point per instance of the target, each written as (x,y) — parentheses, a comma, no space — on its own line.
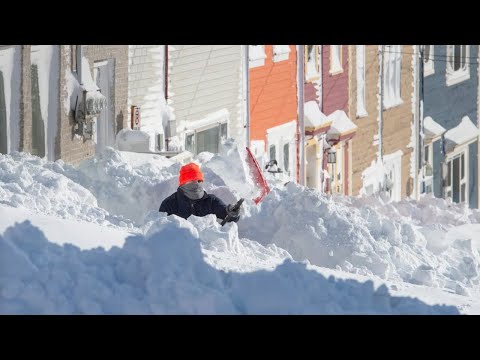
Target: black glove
(234,213)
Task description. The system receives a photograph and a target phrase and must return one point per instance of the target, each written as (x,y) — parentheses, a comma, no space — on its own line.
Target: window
(427,169)
(73,58)
(190,143)
(428,68)
(206,139)
(256,55)
(280,52)
(335,59)
(273,152)
(223,131)
(286,153)
(38,124)
(456,183)
(361,111)
(336,178)
(458,68)
(392,69)
(312,62)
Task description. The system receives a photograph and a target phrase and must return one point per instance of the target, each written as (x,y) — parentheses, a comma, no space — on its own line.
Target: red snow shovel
(257,175)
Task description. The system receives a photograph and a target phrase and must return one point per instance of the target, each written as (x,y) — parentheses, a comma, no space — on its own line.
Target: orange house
(273,106)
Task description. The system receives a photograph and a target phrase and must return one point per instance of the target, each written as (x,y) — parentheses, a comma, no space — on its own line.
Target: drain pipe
(79,53)
(246,93)
(300,112)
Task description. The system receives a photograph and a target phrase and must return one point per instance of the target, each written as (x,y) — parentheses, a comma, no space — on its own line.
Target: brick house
(388,148)
(39,100)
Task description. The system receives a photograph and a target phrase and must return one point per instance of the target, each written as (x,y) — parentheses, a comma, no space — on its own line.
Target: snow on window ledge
(388,104)
(428,69)
(280,52)
(336,69)
(256,55)
(362,113)
(457,76)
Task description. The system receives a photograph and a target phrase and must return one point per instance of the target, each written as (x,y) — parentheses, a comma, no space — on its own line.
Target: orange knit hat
(188,173)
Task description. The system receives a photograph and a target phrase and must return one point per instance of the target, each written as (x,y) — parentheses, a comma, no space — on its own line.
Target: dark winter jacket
(180,205)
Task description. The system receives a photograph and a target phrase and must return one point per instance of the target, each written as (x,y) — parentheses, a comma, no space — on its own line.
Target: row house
(449,132)
(62,101)
(328,128)
(273,105)
(190,97)
(381,103)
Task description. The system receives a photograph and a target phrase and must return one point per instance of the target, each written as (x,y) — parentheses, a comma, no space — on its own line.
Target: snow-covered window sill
(336,71)
(428,69)
(391,104)
(256,55)
(280,52)
(457,77)
(362,114)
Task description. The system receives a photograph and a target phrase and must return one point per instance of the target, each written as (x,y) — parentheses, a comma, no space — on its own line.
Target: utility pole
(380,125)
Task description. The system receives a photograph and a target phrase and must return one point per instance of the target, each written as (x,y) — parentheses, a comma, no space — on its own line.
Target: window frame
(310,77)
(336,68)
(392,77)
(429,65)
(457,76)
(361,112)
(457,154)
(259,59)
(195,132)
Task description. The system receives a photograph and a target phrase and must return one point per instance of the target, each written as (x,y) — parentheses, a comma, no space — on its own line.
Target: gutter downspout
(79,54)
(380,125)
(246,94)
(416,123)
(300,112)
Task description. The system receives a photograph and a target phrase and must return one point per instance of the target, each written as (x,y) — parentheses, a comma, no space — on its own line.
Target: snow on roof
(341,124)
(212,118)
(461,134)
(432,128)
(313,116)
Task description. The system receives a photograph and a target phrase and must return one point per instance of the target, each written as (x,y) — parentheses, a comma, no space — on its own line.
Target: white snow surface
(90,240)
(313,116)
(432,128)
(460,134)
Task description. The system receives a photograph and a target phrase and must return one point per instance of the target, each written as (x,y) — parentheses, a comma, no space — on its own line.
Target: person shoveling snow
(191,199)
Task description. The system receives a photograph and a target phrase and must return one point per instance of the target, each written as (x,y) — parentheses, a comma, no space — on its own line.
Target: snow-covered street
(90,240)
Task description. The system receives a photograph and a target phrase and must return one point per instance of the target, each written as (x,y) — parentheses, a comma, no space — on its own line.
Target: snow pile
(346,234)
(172,265)
(33,183)
(133,140)
(461,134)
(164,272)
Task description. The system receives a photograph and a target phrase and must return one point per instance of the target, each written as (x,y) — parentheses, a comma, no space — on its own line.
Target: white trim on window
(279,136)
(427,169)
(462,73)
(281,52)
(463,151)
(392,76)
(336,59)
(428,60)
(361,91)
(428,63)
(256,55)
(312,62)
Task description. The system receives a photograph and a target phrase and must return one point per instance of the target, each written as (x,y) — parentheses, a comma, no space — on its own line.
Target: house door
(457,176)
(104,78)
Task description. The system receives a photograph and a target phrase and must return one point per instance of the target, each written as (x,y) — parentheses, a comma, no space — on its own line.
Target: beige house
(388,135)
(41,99)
